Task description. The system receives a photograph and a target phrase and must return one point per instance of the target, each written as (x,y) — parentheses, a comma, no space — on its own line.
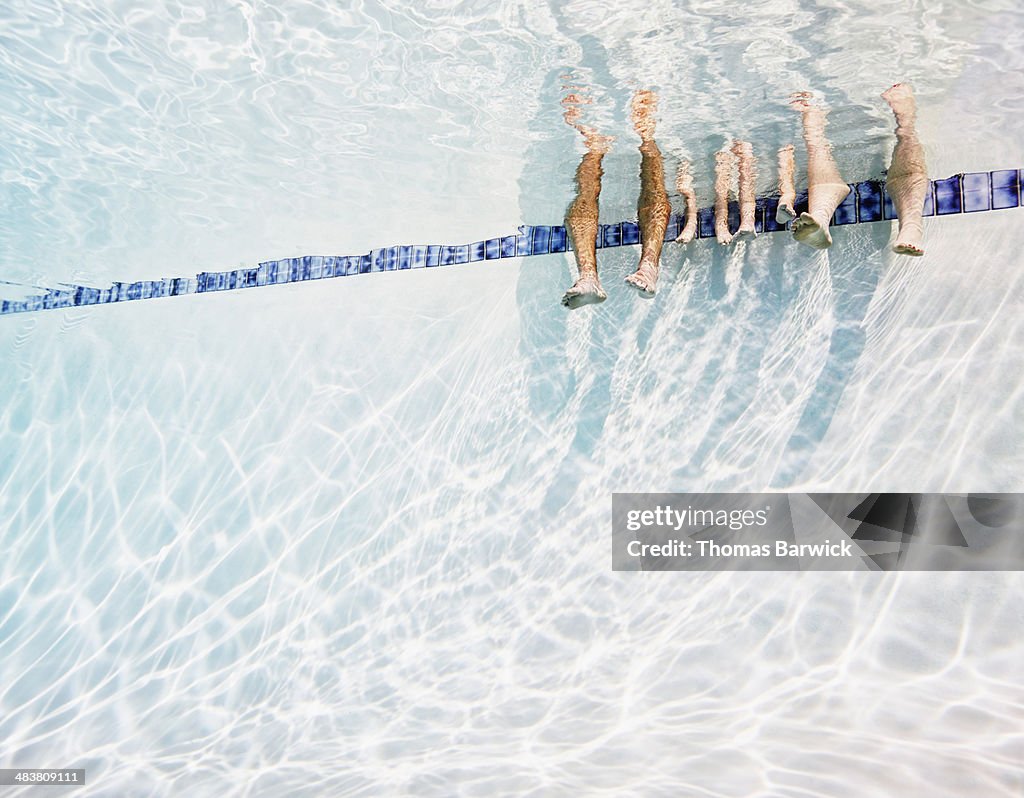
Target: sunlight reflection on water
(351,537)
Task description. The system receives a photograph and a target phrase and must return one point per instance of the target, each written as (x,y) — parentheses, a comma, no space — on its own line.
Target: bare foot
(903,248)
(585,291)
(909,239)
(784,213)
(808,231)
(689,231)
(645,279)
(722,234)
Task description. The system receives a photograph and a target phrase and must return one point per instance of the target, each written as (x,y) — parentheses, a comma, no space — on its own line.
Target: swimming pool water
(352,537)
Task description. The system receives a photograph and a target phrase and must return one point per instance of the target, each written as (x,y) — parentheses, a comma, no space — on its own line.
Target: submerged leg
(787,188)
(653,208)
(724,161)
(907,180)
(684,185)
(581,217)
(744,153)
(825,186)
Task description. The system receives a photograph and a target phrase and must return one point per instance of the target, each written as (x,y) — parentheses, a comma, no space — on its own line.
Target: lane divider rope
(867,202)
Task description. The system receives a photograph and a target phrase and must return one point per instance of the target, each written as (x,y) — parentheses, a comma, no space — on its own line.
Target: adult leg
(907,180)
(581,217)
(653,208)
(825,186)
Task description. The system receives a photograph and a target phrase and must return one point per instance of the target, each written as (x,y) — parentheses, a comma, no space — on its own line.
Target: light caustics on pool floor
(868,201)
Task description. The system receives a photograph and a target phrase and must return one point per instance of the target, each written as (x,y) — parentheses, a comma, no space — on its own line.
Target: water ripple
(362,524)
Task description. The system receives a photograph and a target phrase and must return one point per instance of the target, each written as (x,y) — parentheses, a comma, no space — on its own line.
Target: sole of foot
(807,231)
(581,295)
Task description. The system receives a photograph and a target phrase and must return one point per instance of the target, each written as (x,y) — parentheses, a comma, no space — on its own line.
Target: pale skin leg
(684,185)
(907,180)
(724,162)
(653,208)
(825,186)
(787,188)
(744,153)
(581,218)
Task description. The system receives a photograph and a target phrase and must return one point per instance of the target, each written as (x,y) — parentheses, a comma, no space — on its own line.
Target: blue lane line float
(867,202)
